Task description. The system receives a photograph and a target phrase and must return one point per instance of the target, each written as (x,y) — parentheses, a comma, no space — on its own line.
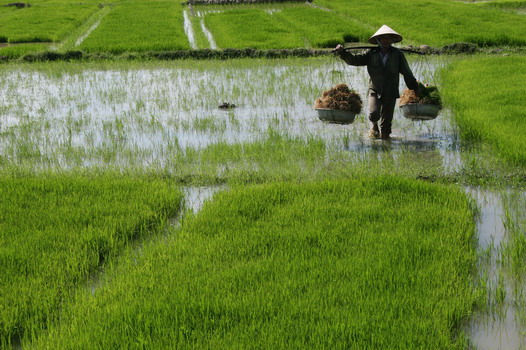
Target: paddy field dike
(135,213)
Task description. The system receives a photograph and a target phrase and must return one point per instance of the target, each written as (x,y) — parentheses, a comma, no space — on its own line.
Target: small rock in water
(227,105)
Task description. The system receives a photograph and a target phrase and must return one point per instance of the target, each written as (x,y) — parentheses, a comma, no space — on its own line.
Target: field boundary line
(208,35)
(189,31)
(94,26)
(319,7)
(80,31)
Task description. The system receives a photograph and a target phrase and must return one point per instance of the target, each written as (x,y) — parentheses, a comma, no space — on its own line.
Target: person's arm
(349,58)
(409,78)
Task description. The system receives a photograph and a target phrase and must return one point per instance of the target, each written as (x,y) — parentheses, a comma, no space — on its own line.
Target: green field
(488,96)
(139,26)
(281,27)
(43,21)
(380,263)
(318,236)
(57,231)
(339,247)
(437,22)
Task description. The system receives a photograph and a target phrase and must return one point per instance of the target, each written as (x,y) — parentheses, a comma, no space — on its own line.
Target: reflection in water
(501,326)
(138,117)
(196,196)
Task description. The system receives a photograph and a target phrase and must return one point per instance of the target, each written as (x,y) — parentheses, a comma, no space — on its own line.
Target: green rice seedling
(437,22)
(143,116)
(321,28)
(281,27)
(487,97)
(57,230)
(253,28)
(19,50)
(83,31)
(514,252)
(139,26)
(378,263)
(508,5)
(44,21)
(196,19)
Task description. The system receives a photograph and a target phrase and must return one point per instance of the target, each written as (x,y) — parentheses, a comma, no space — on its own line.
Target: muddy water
(140,117)
(502,326)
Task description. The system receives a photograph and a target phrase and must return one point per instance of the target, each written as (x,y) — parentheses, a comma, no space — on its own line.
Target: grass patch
(139,26)
(487,95)
(20,50)
(321,28)
(436,22)
(253,28)
(44,21)
(281,27)
(55,231)
(379,263)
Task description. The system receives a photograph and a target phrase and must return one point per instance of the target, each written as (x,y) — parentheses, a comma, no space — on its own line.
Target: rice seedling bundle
(428,94)
(340,97)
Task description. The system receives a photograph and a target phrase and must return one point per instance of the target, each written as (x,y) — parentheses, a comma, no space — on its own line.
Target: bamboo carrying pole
(374,47)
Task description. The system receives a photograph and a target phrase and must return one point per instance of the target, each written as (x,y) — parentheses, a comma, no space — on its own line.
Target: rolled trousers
(381,109)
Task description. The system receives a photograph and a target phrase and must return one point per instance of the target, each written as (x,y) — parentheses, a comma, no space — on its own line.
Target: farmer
(384,64)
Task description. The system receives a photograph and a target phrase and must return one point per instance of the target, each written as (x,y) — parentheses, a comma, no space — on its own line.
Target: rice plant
(377,263)
(486,95)
(139,26)
(56,231)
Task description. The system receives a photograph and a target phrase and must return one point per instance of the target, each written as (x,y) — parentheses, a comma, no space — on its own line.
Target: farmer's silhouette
(384,64)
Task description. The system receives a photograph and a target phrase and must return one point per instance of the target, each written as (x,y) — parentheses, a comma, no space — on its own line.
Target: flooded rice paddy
(503,325)
(140,117)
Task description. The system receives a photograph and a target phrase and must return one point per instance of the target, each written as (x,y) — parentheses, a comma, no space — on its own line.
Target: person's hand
(338,49)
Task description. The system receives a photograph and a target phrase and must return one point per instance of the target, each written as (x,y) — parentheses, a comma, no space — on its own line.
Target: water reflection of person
(384,65)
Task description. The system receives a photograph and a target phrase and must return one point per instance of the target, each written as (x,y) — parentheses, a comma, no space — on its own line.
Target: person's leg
(386,117)
(374,114)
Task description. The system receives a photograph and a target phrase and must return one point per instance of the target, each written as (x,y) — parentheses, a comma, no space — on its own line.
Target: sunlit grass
(280,27)
(43,21)
(378,263)
(487,96)
(56,230)
(139,26)
(437,22)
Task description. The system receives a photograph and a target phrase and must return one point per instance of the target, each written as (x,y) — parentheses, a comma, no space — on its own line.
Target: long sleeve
(409,78)
(355,60)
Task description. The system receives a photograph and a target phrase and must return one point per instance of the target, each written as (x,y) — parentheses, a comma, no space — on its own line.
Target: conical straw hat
(385,30)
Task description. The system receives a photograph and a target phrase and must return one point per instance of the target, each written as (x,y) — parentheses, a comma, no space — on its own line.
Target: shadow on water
(501,326)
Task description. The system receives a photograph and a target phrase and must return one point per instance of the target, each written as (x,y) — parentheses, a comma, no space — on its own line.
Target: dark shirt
(384,79)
